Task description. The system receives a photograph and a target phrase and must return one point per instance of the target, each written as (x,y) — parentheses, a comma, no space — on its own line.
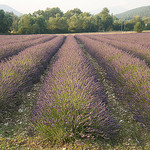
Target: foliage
(141,11)
(51,12)
(57,24)
(72,12)
(53,20)
(106,19)
(6,21)
(75,23)
(14,26)
(138,27)
(147,23)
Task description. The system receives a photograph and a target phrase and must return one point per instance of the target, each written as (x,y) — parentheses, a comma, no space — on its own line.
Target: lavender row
(139,38)
(130,71)
(9,39)
(141,51)
(23,69)
(71,104)
(14,48)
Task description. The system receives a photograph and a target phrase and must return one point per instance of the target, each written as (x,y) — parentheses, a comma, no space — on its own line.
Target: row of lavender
(23,69)
(136,44)
(133,73)
(19,44)
(9,39)
(72,102)
(142,38)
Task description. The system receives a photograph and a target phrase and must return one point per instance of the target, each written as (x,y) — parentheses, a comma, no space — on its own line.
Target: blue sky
(115,6)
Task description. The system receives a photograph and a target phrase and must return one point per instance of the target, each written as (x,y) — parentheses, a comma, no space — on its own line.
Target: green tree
(107,20)
(138,27)
(51,12)
(146,23)
(88,22)
(40,24)
(38,13)
(138,19)
(57,24)
(117,25)
(83,22)
(14,26)
(98,23)
(6,20)
(72,12)
(75,23)
(147,26)
(129,25)
(74,20)
(2,21)
(25,24)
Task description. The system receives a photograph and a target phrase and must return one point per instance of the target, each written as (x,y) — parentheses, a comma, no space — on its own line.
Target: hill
(10,9)
(141,11)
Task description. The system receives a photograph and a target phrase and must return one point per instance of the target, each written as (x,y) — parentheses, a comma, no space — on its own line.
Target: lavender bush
(138,47)
(130,71)
(142,38)
(13,48)
(23,69)
(9,39)
(72,103)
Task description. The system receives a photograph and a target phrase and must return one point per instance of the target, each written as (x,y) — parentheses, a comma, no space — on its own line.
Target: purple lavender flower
(73,98)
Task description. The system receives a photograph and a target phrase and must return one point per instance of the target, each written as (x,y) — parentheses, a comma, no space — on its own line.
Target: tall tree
(25,24)
(6,20)
(75,23)
(40,24)
(88,22)
(38,13)
(107,19)
(57,24)
(138,27)
(98,23)
(72,12)
(14,26)
(51,12)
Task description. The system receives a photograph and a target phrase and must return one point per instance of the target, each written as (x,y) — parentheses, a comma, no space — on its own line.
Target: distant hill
(9,9)
(141,11)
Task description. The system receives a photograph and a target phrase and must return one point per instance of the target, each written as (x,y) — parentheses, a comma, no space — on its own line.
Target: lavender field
(83,91)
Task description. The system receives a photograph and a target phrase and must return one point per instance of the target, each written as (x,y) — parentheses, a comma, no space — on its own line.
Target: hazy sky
(115,6)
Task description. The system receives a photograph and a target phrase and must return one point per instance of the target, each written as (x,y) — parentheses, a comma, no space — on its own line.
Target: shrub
(138,27)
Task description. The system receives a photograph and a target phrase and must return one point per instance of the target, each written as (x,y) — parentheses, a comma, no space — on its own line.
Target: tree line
(53,20)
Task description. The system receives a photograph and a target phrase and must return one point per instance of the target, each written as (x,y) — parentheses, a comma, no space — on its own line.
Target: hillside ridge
(7,8)
(143,11)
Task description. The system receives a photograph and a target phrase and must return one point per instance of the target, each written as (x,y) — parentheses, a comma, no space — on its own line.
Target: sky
(92,6)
